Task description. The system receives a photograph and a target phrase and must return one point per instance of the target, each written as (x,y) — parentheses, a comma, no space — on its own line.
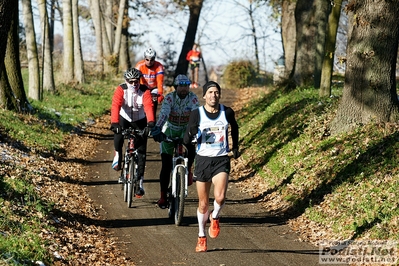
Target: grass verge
(27,214)
(344,185)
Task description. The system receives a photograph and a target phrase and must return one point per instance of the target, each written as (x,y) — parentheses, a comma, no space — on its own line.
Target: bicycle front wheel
(130,183)
(171,202)
(179,200)
(124,184)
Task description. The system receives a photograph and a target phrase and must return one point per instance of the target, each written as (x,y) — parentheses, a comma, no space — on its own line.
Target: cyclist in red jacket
(132,106)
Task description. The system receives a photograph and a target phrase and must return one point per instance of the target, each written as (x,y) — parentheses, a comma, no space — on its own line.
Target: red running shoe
(214,229)
(201,245)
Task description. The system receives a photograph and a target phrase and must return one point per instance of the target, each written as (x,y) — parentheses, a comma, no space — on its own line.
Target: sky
(223,34)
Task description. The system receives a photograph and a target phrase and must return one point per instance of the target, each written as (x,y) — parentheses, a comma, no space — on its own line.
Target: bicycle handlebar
(128,131)
(176,140)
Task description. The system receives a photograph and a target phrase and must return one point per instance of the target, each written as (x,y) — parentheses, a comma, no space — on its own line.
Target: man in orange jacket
(152,74)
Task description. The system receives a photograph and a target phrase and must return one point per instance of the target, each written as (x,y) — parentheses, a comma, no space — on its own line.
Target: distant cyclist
(131,107)
(172,122)
(153,74)
(194,57)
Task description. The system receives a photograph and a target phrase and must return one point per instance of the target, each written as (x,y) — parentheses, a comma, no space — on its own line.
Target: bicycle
(129,175)
(178,186)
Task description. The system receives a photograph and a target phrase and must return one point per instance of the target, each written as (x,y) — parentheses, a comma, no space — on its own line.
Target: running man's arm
(230,116)
(192,127)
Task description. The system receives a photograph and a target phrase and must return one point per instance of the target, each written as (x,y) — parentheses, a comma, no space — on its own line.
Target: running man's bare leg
(203,189)
(220,182)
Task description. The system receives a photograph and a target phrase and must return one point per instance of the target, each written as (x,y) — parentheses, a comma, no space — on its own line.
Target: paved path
(249,235)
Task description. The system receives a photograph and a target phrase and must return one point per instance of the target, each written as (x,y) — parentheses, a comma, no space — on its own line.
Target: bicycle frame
(130,167)
(178,183)
(179,159)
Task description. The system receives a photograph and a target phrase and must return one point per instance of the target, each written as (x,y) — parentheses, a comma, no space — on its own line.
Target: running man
(209,124)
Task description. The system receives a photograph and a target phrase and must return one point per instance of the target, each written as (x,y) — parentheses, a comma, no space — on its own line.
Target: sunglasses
(184,83)
(132,81)
(148,59)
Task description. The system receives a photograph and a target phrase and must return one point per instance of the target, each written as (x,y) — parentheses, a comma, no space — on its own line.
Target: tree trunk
(322,8)
(6,15)
(107,53)
(118,31)
(78,57)
(195,10)
(109,25)
(328,60)
(305,49)
(124,58)
(47,48)
(51,25)
(124,62)
(254,37)
(96,16)
(369,92)
(31,50)
(288,36)
(68,58)
(7,99)
(13,65)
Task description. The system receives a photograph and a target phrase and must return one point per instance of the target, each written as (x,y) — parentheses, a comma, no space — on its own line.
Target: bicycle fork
(131,153)
(174,173)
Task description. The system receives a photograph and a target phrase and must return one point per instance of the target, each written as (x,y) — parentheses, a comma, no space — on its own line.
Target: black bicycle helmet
(132,73)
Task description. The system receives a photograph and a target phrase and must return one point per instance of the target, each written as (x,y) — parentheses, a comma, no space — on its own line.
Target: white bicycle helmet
(150,53)
(132,73)
(181,80)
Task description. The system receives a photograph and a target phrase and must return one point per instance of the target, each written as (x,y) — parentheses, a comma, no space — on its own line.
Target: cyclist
(172,122)
(132,107)
(209,124)
(153,74)
(194,57)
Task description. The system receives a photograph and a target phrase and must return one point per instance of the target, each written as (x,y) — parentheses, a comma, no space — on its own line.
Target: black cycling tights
(167,163)
(140,143)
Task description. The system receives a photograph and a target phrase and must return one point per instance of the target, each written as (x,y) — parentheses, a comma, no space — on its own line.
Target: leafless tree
(31,47)
(195,7)
(329,53)
(68,55)
(77,48)
(47,49)
(12,93)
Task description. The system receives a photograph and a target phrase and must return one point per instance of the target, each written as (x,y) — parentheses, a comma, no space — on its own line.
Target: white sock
(202,219)
(216,209)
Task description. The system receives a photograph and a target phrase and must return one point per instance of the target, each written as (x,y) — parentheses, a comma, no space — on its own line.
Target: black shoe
(140,193)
